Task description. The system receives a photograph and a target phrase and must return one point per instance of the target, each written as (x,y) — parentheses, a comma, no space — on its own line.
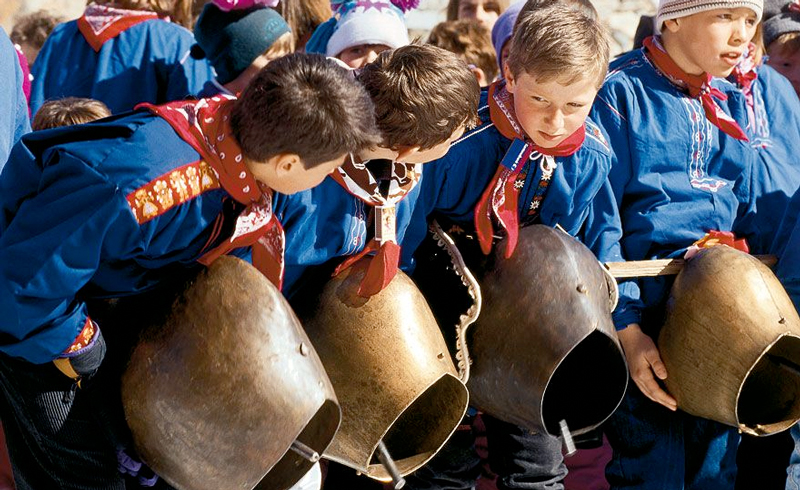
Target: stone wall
(620,16)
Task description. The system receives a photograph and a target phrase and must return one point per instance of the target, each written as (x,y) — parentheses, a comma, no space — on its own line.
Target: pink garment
(26,73)
(6,475)
(228,5)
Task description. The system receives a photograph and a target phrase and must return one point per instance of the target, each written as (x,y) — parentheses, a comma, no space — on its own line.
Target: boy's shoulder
(596,139)
(632,64)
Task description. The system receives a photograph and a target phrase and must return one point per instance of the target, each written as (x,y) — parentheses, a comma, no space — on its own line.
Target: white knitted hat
(674,9)
(369,22)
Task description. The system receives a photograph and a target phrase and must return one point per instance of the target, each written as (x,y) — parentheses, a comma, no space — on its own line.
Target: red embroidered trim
(171,190)
(83,339)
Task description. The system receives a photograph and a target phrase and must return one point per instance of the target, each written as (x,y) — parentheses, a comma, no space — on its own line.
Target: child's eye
(751,22)
(576,105)
(724,16)
(537,98)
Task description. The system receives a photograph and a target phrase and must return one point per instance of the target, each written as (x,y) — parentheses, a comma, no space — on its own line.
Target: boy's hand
(643,361)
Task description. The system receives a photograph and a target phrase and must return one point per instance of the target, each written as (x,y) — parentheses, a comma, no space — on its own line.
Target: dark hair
(422,95)
(34,28)
(470,40)
(68,111)
(557,42)
(307,105)
(583,6)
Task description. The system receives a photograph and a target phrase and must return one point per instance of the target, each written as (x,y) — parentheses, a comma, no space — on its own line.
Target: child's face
(549,112)
(786,63)
(484,11)
(712,41)
(288,175)
(435,152)
(361,55)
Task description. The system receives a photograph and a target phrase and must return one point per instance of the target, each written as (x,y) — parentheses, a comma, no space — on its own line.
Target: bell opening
(317,435)
(769,401)
(423,428)
(587,386)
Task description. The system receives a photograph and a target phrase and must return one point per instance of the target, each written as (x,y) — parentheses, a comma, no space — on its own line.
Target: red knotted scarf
(359,181)
(205,125)
(499,200)
(698,86)
(100,23)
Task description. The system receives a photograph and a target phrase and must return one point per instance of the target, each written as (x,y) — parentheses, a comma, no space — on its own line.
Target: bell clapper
(566,435)
(391,468)
(305,451)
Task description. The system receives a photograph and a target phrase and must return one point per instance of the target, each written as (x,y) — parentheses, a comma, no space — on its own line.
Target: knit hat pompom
(232,40)
(675,9)
(362,22)
(780,17)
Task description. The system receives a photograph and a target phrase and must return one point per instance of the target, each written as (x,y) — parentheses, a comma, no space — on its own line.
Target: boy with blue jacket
(682,165)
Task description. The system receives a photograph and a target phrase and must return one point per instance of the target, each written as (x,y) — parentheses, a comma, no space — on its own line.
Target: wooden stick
(662,267)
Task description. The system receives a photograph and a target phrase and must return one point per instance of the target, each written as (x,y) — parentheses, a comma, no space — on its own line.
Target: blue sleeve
(788,240)
(13,107)
(51,246)
(607,113)
(184,76)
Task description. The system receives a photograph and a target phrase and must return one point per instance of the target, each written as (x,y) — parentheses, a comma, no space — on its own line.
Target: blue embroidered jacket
(675,175)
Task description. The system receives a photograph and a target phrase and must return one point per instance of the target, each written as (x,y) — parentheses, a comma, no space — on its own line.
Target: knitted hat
(675,9)
(504,28)
(780,17)
(360,22)
(232,40)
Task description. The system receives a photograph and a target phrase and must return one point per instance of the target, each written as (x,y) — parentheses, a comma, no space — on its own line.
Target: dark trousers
(657,449)
(522,460)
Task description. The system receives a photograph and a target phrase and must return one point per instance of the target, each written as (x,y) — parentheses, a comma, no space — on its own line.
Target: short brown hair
(307,105)
(468,39)
(422,95)
(34,28)
(68,111)
(558,42)
(499,6)
(583,6)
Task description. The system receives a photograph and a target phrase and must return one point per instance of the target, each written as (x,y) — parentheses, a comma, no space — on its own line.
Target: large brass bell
(544,348)
(391,370)
(731,343)
(217,396)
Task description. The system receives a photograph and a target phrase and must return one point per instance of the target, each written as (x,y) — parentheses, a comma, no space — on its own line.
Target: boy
(68,111)
(122,54)
(424,97)
(681,164)
(360,30)
(14,120)
(787,248)
(472,42)
(536,117)
(781,29)
(124,205)
(238,44)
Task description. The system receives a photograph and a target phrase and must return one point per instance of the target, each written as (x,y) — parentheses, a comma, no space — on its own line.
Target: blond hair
(68,111)
(557,42)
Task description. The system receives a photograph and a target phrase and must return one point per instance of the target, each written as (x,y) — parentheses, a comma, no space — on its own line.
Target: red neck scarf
(359,181)
(205,125)
(698,86)
(100,23)
(499,200)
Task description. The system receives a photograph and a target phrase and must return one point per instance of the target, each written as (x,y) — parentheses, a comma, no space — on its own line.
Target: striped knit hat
(674,9)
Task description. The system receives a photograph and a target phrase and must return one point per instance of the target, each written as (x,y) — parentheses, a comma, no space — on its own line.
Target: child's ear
(510,80)
(480,75)
(672,25)
(285,163)
(404,152)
